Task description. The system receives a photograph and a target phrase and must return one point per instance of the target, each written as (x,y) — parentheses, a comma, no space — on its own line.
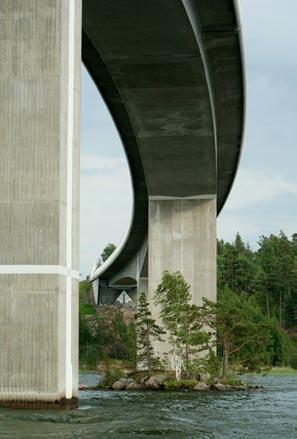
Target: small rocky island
(141,381)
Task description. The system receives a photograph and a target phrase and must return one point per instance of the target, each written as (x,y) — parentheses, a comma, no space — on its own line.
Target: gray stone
(152,384)
(220,387)
(135,386)
(240,387)
(119,385)
(204,376)
(200,387)
(159,378)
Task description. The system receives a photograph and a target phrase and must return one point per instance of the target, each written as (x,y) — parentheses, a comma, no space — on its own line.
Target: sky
(263,199)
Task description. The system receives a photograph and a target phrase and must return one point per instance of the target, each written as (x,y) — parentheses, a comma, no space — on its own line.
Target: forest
(268,275)
(257,308)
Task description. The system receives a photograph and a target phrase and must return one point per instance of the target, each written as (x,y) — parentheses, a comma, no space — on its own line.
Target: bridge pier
(182,237)
(39,202)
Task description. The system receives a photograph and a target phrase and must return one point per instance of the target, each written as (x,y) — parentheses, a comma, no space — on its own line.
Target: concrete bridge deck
(171,73)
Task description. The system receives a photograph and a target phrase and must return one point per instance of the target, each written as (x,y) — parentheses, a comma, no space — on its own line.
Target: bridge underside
(171,75)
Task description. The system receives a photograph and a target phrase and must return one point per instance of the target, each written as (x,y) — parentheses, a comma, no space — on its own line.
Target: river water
(257,414)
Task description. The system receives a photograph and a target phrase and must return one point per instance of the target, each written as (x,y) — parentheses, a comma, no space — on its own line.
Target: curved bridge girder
(171,74)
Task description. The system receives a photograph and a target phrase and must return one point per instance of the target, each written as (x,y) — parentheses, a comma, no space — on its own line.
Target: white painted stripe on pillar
(182,252)
(68,335)
(39,269)
(191,197)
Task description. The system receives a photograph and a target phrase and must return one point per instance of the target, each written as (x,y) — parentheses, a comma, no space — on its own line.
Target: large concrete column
(40,60)
(182,237)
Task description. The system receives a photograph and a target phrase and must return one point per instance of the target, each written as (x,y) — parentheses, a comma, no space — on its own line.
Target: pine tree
(185,330)
(147,331)
(242,330)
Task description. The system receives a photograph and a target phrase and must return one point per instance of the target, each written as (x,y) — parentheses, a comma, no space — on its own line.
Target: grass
(87,310)
(282,371)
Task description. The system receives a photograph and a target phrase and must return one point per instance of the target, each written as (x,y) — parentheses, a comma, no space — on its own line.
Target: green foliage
(181,320)
(269,275)
(179,384)
(294,360)
(112,374)
(123,340)
(87,310)
(100,338)
(108,250)
(212,364)
(242,330)
(147,331)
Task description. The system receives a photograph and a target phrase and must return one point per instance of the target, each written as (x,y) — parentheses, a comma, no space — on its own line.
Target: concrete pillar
(142,286)
(182,237)
(39,201)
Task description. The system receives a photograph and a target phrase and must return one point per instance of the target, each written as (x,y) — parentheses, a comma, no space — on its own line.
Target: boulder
(119,385)
(160,379)
(135,386)
(122,383)
(152,384)
(143,379)
(220,387)
(204,377)
(201,387)
(240,387)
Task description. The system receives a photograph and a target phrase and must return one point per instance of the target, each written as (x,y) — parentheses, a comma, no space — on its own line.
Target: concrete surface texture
(39,206)
(182,237)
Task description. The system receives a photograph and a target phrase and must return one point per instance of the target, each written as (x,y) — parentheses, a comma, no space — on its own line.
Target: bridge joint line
(40,269)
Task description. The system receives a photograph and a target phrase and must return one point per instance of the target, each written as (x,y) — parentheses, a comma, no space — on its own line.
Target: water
(269,413)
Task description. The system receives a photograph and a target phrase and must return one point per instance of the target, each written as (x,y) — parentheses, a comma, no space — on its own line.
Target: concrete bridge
(171,73)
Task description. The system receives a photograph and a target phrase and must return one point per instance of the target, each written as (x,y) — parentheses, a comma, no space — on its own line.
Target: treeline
(255,317)
(268,275)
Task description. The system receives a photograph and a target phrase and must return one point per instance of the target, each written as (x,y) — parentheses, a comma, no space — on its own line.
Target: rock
(239,387)
(204,377)
(201,387)
(122,383)
(152,384)
(135,386)
(119,385)
(220,387)
(144,379)
(160,378)
(83,387)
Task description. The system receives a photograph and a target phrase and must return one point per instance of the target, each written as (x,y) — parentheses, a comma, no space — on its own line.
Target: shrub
(179,385)
(112,374)
(294,360)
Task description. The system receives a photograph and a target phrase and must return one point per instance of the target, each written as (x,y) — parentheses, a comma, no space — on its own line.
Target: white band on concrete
(71,67)
(39,269)
(192,197)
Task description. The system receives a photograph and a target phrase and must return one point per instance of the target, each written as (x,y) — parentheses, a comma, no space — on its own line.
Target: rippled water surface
(269,413)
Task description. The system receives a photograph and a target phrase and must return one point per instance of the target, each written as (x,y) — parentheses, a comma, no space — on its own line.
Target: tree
(241,329)
(235,265)
(276,257)
(181,320)
(108,250)
(147,331)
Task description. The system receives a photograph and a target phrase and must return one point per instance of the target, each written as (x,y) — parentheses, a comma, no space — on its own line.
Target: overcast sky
(264,197)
